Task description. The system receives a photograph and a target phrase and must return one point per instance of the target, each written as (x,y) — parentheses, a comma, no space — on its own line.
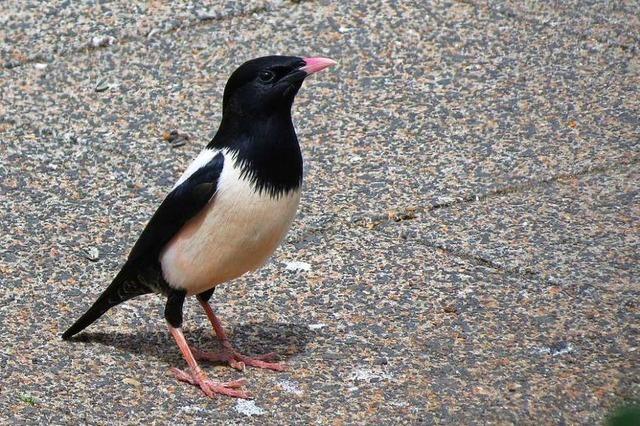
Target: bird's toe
(211,388)
(238,361)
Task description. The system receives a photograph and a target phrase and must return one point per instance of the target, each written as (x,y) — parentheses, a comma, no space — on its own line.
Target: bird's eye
(266,76)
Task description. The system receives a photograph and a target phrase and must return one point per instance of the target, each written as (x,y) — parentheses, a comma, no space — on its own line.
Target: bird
(225,215)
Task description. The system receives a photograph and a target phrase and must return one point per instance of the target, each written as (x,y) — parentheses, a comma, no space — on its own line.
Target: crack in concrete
(488,263)
(369,222)
(476,259)
(514,189)
(376,220)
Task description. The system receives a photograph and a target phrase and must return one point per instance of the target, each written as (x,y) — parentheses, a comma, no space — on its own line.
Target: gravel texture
(467,245)
(36,31)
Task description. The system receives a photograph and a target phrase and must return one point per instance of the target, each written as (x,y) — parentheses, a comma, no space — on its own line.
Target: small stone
(316,326)
(433,405)
(132,382)
(381,361)
(502,361)
(175,138)
(40,66)
(153,32)
(206,14)
(102,41)
(92,253)
(450,309)
(69,138)
(400,215)
(560,348)
(102,86)
(512,387)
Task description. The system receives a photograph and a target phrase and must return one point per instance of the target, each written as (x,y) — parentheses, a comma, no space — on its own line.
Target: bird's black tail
(123,287)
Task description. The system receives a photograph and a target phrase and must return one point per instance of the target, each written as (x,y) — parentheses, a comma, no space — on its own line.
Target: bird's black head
(268,85)
(256,120)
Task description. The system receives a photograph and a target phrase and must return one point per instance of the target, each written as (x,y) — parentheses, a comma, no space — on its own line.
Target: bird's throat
(266,148)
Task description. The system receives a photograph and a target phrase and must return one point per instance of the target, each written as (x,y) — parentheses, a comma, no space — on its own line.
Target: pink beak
(316,64)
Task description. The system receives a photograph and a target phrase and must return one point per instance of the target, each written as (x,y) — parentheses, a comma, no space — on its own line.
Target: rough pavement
(470,221)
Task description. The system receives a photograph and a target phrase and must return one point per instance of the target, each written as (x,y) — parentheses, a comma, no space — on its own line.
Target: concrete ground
(468,245)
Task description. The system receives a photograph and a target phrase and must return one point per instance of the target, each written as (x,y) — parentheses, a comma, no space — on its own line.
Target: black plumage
(257,125)
(142,274)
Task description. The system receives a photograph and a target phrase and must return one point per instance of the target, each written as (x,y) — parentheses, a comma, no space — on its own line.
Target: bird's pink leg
(229,354)
(197,377)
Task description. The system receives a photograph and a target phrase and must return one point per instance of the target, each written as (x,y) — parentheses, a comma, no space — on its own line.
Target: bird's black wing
(180,205)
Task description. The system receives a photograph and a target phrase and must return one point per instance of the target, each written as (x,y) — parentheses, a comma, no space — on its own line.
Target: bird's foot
(238,361)
(210,387)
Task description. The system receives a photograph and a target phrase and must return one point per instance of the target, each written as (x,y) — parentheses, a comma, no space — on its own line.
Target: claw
(210,387)
(228,354)
(238,361)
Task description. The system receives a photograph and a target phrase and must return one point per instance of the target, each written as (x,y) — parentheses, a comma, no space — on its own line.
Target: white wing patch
(201,160)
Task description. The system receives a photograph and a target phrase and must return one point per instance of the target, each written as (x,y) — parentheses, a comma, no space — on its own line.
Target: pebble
(317,326)
(102,41)
(92,253)
(450,309)
(512,387)
(557,349)
(102,86)
(132,382)
(175,138)
(206,14)
(69,138)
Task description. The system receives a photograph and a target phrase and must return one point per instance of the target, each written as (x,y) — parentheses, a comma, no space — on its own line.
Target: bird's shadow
(284,339)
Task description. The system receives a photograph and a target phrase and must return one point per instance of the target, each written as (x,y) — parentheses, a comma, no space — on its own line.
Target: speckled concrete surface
(466,119)
(577,231)
(421,304)
(614,23)
(41,32)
